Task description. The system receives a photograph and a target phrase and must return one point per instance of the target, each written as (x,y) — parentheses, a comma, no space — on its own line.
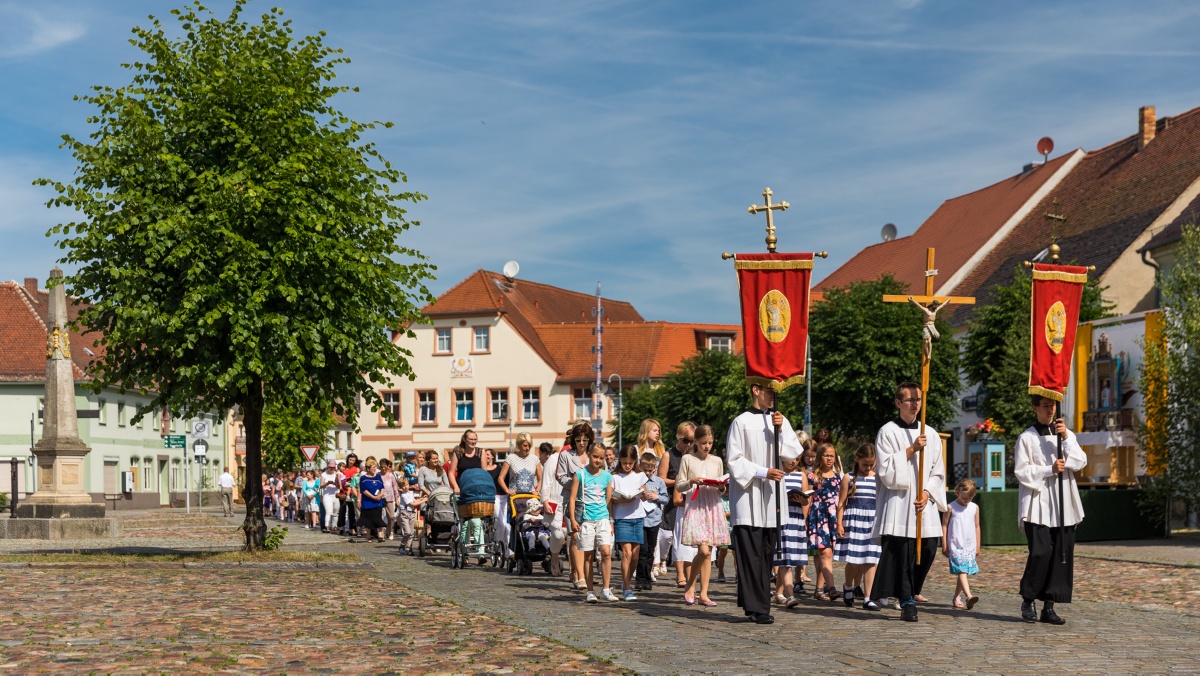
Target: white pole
(187,484)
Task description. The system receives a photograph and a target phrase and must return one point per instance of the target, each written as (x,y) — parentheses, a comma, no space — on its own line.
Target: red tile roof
(957,230)
(1109,199)
(558,325)
(24,311)
(1173,232)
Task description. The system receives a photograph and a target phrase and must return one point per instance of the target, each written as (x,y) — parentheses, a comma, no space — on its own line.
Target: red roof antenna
(1045,146)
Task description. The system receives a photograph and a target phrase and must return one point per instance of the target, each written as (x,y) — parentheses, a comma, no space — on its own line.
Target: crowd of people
(675,512)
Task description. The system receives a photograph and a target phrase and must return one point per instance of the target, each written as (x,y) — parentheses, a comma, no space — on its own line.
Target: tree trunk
(255,525)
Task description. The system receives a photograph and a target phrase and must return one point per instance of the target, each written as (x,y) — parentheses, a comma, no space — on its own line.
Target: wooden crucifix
(930,305)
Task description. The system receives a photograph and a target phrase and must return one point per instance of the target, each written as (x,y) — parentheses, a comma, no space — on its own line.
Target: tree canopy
(285,430)
(862,348)
(997,349)
(237,235)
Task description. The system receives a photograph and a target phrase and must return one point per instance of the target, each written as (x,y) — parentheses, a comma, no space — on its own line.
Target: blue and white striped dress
(858,547)
(793,545)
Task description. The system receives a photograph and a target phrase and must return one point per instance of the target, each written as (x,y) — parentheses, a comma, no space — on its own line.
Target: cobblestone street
(417,615)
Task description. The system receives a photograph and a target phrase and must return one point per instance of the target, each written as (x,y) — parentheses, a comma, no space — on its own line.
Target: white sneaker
(591,598)
(792,602)
(607,595)
(629,595)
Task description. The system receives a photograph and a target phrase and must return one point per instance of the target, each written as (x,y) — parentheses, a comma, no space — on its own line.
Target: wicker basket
(476,509)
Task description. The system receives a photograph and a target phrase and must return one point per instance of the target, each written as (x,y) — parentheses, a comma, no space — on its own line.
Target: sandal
(971,601)
(707,603)
(958,602)
(820,595)
(780,599)
(831,593)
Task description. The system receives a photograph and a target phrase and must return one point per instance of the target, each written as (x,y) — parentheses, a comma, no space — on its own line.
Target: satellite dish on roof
(889,232)
(1045,146)
(511,269)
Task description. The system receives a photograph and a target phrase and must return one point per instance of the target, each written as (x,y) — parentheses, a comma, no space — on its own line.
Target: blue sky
(621,142)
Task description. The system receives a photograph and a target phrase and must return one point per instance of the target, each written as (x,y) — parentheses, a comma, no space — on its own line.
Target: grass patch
(276,556)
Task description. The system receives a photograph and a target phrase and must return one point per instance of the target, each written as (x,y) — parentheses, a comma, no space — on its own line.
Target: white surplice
(1033,465)
(896,483)
(749,454)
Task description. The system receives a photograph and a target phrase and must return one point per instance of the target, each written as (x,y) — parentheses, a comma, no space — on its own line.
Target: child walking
(856,518)
(704,525)
(629,512)
(591,495)
(656,497)
(793,544)
(960,541)
(822,518)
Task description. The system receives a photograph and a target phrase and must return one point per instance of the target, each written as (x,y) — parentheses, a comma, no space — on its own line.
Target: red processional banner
(1057,292)
(774,291)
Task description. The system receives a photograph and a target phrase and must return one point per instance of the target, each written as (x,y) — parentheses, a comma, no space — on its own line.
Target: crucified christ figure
(928,331)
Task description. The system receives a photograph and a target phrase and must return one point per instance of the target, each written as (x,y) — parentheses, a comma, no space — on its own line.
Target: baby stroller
(523,556)
(441,522)
(476,501)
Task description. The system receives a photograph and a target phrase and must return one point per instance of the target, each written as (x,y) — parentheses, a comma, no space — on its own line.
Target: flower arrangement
(986,429)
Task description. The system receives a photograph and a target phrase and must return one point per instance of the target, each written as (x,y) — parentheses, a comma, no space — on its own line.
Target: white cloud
(24,31)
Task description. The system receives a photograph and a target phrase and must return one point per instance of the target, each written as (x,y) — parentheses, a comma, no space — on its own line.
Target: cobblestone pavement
(139,621)
(658,634)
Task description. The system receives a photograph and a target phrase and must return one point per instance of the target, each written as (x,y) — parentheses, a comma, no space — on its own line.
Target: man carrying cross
(908,480)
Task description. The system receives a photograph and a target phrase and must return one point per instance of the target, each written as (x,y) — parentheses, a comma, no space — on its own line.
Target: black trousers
(1046,577)
(646,553)
(898,574)
(754,549)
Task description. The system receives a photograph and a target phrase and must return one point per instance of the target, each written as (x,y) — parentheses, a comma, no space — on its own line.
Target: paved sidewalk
(1180,549)
(659,634)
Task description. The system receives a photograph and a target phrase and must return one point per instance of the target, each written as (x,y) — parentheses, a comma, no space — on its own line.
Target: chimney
(31,286)
(1146,126)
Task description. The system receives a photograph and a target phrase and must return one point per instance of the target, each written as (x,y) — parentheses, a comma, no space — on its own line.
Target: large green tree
(861,349)
(997,349)
(237,236)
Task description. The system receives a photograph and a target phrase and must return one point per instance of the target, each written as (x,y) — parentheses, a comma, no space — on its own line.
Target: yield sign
(310,452)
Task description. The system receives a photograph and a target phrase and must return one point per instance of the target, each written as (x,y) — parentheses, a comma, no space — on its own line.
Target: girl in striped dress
(856,518)
(793,545)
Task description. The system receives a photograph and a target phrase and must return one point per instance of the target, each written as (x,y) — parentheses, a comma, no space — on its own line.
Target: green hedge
(1108,515)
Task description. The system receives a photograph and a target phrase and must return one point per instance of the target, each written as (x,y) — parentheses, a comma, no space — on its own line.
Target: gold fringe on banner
(1059,276)
(775,384)
(1049,394)
(773,265)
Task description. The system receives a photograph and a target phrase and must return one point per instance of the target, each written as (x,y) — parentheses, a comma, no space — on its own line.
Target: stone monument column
(60,453)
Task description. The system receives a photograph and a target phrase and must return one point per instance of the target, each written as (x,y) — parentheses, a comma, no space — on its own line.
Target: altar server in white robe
(1037,468)
(754,477)
(898,505)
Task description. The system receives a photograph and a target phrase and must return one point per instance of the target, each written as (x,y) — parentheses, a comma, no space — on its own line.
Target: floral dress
(822,514)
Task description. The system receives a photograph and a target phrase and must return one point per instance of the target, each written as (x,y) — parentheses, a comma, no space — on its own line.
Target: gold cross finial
(781,206)
(1055,217)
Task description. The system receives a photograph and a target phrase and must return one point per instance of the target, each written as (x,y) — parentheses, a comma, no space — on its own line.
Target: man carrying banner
(1045,452)
(774,289)
(1049,570)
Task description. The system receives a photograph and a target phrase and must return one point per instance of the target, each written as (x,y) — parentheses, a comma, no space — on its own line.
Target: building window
(391,404)
(148,474)
(427,407)
(584,406)
(175,475)
(721,343)
(443,342)
(482,339)
(120,414)
(498,409)
(531,404)
(464,406)
(101,404)
(134,463)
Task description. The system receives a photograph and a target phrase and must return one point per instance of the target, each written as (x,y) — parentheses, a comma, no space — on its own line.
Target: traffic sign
(310,452)
(200,428)
(200,448)
(175,441)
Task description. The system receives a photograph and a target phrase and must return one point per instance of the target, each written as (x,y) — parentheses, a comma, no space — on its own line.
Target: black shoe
(858,594)
(848,597)
(761,618)
(1028,611)
(870,605)
(1051,617)
(909,613)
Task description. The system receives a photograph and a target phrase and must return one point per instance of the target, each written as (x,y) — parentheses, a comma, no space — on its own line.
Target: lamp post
(620,394)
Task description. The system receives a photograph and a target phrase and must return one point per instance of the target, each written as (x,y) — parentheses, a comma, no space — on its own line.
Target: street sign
(175,441)
(200,428)
(200,448)
(310,452)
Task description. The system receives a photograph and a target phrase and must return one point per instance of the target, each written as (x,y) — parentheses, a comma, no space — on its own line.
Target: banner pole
(778,431)
(1061,503)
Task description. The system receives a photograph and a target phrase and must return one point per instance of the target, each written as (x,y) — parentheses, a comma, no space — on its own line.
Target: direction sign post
(200,450)
(174,441)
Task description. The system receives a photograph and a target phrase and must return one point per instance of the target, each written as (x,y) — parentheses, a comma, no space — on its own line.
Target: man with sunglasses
(898,506)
